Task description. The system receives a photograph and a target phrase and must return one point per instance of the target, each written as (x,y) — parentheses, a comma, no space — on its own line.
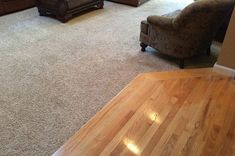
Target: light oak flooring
(187,112)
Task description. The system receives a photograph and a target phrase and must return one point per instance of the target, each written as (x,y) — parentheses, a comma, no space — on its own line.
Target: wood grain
(189,112)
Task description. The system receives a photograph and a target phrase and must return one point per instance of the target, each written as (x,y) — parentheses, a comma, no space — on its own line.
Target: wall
(227,54)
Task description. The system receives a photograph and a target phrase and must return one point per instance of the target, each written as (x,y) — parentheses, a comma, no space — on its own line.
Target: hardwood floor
(188,112)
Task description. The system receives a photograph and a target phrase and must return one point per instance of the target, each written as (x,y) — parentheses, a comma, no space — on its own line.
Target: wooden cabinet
(8,6)
(63,10)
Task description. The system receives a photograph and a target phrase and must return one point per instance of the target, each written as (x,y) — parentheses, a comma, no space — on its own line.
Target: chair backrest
(202,19)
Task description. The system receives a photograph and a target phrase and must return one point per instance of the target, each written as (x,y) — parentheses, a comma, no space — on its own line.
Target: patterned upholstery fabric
(185,33)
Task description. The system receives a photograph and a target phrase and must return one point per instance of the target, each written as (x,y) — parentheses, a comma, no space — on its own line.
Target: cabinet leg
(64,18)
(100,5)
(143,46)
(181,63)
(208,51)
(42,12)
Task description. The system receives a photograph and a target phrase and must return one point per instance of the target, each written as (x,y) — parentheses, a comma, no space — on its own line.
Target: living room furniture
(8,6)
(188,32)
(130,2)
(64,10)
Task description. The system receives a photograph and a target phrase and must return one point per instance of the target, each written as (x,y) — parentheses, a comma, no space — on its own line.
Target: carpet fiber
(54,77)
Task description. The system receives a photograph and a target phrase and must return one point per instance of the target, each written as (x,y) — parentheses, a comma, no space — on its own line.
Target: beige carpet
(54,77)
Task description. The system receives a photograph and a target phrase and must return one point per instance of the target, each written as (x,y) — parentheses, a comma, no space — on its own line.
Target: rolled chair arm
(160,21)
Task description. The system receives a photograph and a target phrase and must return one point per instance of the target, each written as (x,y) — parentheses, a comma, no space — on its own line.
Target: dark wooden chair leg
(208,51)
(64,18)
(143,46)
(42,12)
(181,64)
(100,5)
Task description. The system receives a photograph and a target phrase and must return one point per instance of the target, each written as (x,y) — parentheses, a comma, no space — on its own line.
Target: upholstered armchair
(185,33)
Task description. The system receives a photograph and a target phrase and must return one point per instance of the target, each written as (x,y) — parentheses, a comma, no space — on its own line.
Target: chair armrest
(160,21)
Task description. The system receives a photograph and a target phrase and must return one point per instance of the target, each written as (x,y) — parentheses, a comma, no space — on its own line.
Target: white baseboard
(224,70)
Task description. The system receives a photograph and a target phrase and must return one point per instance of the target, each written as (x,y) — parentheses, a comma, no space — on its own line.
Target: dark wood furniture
(130,2)
(64,10)
(8,6)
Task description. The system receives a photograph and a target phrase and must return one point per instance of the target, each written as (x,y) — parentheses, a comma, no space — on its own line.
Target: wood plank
(163,114)
(185,73)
